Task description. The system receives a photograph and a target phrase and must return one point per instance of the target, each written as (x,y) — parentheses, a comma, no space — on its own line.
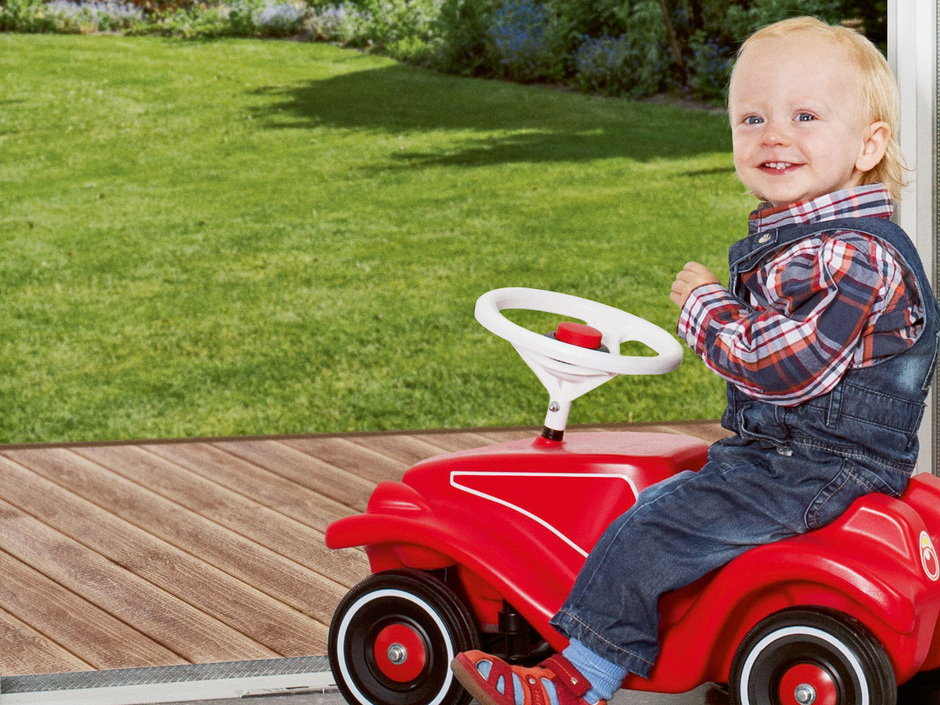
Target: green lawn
(258,237)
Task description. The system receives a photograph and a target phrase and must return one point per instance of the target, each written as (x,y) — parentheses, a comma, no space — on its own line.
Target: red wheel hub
(808,684)
(400,653)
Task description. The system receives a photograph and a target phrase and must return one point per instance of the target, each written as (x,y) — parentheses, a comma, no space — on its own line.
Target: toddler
(826,336)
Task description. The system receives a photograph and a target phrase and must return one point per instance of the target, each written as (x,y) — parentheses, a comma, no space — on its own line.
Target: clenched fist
(692,276)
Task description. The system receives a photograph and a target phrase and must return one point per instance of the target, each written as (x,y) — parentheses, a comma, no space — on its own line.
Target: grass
(257,237)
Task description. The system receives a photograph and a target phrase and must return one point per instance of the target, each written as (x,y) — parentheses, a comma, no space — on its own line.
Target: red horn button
(579,334)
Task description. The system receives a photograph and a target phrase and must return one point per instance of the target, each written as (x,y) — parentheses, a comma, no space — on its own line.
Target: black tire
(821,656)
(392,639)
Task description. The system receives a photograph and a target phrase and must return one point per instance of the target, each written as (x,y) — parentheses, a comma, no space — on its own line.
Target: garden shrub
(283,19)
(191,23)
(28,16)
(266,18)
(522,43)
(580,19)
(636,63)
(646,34)
(602,65)
(622,65)
(617,47)
(241,16)
(71,17)
(336,23)
(709,67)
(404,29)
(68,17)
(462,26)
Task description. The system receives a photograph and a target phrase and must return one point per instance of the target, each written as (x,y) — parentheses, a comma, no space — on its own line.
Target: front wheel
(392,639)
(811,657)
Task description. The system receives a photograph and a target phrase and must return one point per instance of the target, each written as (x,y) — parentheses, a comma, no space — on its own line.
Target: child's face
(797,119)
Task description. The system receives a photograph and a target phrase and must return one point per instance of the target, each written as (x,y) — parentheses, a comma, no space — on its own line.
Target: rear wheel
(811,657)
(392,639)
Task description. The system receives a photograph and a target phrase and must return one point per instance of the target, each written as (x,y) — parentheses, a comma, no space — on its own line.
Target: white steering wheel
(567,370)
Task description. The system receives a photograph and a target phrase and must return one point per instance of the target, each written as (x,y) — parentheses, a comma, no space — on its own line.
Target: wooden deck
(160,553)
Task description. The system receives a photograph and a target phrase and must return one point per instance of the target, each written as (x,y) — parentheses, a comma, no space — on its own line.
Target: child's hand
(692,276)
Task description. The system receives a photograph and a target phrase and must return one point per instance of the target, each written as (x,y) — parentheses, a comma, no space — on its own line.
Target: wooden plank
(454,441)
(405,449)
(325,479)
(73,623)
(497,435)
(258,623)
(238,513)
(267,488)
(27,652)
(259,574)
(178,626)
(352,457)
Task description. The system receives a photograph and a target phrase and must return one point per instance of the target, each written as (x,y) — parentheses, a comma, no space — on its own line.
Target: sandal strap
(570,684)
(574,681)
(499,669)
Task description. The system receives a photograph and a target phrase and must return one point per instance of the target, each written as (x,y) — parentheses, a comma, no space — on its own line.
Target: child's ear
(874,144)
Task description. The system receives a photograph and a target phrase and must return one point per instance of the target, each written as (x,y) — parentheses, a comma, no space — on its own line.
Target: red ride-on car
(475,550)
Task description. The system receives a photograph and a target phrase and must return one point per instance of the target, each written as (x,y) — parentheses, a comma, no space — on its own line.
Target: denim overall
(786,471)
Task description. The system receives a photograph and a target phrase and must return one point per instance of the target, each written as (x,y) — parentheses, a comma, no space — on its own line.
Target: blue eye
(805,117)
(752,120)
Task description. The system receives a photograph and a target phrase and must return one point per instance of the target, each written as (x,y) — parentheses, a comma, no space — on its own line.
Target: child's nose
(774,134)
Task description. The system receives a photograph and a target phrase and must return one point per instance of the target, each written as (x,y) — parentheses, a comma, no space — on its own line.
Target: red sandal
(570,685)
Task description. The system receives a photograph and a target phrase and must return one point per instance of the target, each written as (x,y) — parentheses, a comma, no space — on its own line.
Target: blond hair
(879,87)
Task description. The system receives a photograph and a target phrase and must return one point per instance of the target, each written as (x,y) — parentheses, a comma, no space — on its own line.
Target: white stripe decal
(516,508)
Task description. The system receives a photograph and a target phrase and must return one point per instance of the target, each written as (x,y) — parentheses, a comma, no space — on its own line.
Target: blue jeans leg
(748,494)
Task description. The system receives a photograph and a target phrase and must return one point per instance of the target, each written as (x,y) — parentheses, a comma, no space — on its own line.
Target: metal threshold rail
(168,684)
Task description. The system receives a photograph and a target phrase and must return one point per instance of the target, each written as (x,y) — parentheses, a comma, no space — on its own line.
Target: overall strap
(747,253)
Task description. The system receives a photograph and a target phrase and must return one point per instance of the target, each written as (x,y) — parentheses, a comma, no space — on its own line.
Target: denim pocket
(851,482)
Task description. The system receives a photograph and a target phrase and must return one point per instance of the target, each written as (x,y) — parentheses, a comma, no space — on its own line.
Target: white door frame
(912,53)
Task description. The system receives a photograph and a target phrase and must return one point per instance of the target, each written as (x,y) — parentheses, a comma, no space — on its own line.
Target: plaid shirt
(815,308)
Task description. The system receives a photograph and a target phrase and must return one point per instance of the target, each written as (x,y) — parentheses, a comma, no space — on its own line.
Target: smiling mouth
(778,166)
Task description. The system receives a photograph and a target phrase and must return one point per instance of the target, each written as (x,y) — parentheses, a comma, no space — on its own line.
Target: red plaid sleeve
(813,312)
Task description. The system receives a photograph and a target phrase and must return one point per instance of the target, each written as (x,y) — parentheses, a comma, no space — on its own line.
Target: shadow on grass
(507,122)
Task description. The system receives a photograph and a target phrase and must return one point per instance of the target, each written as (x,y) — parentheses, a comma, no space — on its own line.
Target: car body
(512,524)
(480,548)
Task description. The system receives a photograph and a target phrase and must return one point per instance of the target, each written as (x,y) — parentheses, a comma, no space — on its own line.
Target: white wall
(912,52)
